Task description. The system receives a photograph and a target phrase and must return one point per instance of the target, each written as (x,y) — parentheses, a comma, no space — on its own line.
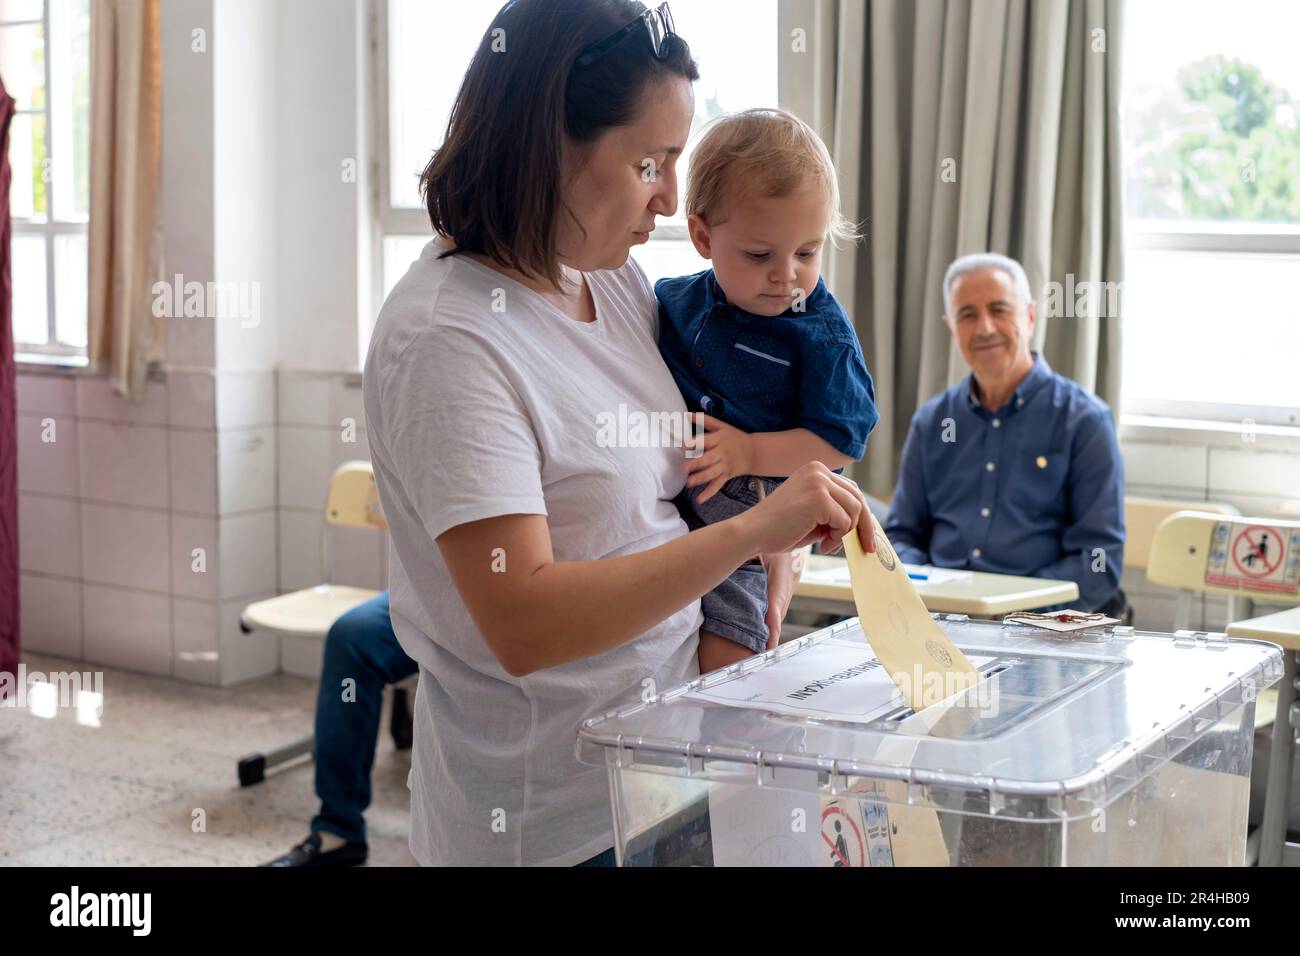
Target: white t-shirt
(475,412)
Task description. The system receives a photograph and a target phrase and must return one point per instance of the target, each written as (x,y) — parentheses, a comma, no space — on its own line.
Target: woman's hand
(727,452)
(813,505)
(782,575)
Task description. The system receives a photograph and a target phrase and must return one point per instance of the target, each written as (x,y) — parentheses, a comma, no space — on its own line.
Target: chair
(1143,515)
(352,502)
(1180,550)
(1141,518)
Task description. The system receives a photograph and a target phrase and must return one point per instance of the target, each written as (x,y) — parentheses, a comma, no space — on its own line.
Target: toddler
(757,343)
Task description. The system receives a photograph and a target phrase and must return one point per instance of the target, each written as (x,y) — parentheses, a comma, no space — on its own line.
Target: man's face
(991,324)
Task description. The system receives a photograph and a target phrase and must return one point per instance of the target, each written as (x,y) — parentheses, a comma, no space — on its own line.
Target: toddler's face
(769,250)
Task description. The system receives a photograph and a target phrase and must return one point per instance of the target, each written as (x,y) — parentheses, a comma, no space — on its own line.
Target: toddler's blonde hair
(761,153)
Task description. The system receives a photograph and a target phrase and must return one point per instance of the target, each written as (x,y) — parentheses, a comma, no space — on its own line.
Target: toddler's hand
(727,452)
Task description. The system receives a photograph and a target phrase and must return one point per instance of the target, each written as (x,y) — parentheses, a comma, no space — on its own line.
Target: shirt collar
(715,298)
(1040,373)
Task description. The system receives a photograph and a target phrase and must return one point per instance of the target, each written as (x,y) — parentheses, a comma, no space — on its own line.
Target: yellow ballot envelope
(912,648)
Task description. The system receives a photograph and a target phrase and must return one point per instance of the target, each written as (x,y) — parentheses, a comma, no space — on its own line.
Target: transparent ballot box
(1109,747)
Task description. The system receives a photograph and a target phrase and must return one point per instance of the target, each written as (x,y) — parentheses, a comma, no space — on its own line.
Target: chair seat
(305,613)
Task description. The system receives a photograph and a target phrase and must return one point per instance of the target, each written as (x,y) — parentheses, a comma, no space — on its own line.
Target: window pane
(1211,104)
(22,51)
(664,258)
(735,44)
(399,253)
(30,313)
(70,108)
(11,10)
(26,153)
(71,277)
(1181,336)
(428,53)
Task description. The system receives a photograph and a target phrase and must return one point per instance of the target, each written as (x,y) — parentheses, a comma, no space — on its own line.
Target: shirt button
(984,512)
(1019,402)
(699,362)
(997,423)
(990,466)
(975,552)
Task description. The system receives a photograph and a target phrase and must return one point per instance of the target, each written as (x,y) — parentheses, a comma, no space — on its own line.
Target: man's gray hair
(981,262)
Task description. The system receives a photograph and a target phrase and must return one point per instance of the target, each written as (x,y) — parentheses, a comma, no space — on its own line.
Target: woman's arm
(537,612)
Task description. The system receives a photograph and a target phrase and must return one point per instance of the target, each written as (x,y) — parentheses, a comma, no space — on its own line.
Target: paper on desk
(915,652)
(842,680)
(839,574)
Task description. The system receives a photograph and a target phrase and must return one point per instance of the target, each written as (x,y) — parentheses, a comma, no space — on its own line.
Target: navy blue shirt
(1034,489)
(767,373)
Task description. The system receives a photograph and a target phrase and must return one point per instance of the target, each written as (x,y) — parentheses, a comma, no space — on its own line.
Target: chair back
(1143,515)
(353,500)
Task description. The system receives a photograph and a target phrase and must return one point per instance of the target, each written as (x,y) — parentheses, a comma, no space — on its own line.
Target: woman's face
(626,177)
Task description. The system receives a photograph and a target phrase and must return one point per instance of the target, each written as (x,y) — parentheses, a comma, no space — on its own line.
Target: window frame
(391,220)
(395,221)
(51,350)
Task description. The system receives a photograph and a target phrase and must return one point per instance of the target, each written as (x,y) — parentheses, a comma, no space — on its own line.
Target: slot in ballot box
(1107,747)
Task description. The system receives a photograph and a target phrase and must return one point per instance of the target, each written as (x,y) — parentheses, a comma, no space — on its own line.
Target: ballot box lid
(1059,724)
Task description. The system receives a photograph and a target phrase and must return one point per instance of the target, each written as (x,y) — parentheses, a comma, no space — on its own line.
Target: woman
(541,575)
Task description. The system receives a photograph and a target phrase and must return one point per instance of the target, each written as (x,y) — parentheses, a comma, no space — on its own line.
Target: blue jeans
(360,645)
(737,608)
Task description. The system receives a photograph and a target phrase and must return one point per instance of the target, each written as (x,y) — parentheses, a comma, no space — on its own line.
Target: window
(45,49)
(1211,114)
(423,54)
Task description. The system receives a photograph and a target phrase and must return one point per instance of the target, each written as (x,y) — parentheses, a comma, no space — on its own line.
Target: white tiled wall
(321,424)
(146,528)
(142,525)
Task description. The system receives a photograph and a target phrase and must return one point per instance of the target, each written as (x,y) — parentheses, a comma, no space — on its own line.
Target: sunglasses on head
(658,24)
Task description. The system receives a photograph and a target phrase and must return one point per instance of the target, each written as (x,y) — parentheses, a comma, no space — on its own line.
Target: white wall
(323,244)
(246,112)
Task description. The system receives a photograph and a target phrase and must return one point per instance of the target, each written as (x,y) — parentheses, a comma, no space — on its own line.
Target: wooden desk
(981,593)
(1281,628)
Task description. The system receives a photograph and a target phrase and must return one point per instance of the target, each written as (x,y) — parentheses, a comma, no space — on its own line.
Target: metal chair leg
(253,768)
(1277,792)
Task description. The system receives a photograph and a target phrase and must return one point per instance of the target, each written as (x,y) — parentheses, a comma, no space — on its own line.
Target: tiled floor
(130,792)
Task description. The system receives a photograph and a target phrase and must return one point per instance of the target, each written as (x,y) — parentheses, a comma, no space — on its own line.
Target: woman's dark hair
(494,184)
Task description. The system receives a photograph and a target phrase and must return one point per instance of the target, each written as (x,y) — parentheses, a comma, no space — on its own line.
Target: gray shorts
(735,608)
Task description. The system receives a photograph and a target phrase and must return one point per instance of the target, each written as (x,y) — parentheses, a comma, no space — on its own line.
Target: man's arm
(910,521)
(1094,540)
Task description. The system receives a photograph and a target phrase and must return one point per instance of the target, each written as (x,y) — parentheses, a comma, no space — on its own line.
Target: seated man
(1015,469)
(360,645)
